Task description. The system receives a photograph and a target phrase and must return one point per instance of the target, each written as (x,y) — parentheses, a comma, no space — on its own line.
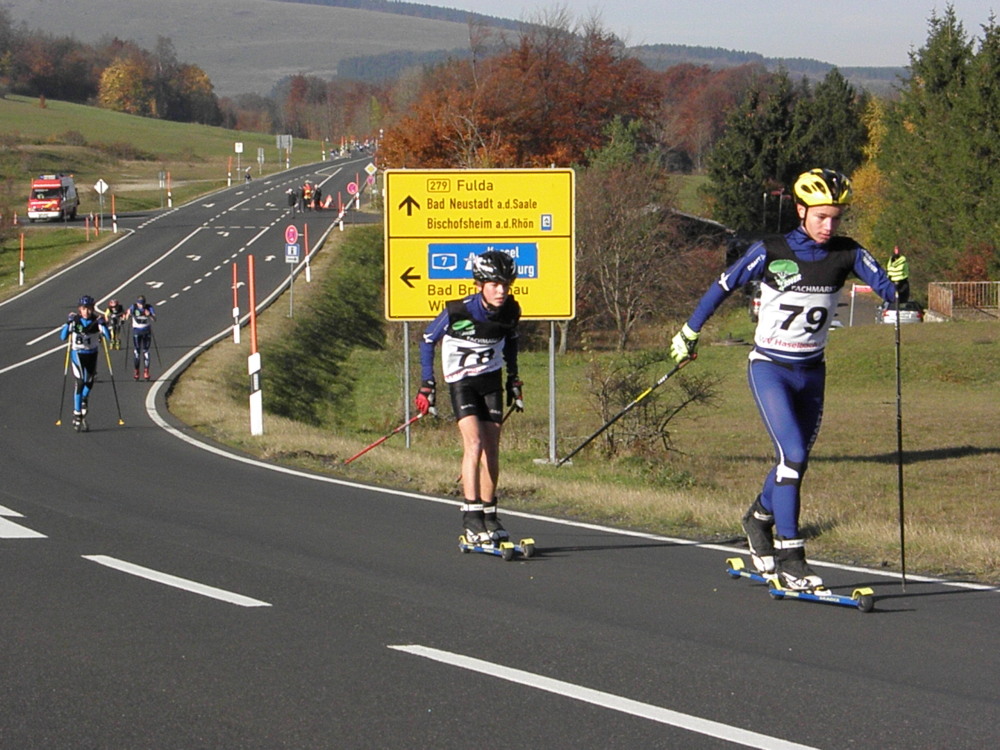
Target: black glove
(515,397)
(425,397)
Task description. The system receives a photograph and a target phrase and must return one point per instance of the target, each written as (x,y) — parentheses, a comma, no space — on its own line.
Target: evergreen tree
(754,157)
(829,126)
(927,151)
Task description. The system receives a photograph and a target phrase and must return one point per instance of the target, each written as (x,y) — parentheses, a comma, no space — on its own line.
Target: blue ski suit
(801,282)
(84,336)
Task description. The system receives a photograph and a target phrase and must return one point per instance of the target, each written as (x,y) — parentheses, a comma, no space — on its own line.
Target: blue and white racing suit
(84,336)
(142,316)
(800,285)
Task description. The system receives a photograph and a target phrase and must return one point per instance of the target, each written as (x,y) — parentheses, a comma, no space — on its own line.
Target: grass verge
(701,487)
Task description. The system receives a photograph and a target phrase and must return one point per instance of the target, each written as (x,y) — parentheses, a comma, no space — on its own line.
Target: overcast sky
(842,32)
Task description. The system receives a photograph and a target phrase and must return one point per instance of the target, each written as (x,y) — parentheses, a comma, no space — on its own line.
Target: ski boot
(492,521)
(136,376)
(145,374)
(791,569)
(758,523)
(83,407)
(474,523)
(79,422)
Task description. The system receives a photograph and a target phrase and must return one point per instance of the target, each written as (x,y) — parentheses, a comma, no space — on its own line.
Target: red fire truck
(53,196)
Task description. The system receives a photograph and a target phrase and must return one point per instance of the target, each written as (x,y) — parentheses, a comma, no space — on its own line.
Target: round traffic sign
(291,234)
(352,188)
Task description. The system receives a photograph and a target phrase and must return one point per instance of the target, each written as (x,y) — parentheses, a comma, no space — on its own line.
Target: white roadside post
(236,307)
(253,361)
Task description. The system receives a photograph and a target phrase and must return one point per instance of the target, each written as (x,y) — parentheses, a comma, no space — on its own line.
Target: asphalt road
(158,592)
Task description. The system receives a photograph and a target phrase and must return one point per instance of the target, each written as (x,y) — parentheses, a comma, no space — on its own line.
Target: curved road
(157,594)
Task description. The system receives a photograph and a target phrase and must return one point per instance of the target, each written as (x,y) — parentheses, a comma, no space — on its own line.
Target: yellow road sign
(436,220)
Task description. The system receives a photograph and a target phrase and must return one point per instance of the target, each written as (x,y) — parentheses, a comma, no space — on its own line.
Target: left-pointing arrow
(407,276)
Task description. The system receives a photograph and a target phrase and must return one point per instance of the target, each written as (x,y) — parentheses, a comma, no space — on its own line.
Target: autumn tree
(628,248)
(545,99)
(127,86)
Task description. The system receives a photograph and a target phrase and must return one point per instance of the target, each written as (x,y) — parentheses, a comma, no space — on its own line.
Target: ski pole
(384,438)
(159,362)
(128,337)
(626,410)
(62,396)
(899,441)
(111,372)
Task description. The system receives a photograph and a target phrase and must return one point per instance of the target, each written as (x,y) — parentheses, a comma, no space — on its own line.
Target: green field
(127,152)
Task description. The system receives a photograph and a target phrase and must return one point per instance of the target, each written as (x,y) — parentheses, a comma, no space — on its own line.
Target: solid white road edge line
(607,700)
(179,583)
(165,379)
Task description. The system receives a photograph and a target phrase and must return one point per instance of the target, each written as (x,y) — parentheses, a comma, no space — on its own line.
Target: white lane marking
(607,700)
(11,530)
(179,583)
(44,335)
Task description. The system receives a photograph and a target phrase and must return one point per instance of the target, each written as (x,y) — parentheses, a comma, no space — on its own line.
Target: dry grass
(699,490)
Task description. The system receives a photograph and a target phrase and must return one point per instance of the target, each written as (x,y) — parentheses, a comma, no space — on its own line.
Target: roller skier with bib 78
(801,275)
(478,336)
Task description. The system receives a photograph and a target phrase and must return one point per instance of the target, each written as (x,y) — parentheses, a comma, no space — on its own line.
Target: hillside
(247,46)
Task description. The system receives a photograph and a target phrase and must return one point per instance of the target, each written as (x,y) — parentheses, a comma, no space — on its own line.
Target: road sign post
(292,259)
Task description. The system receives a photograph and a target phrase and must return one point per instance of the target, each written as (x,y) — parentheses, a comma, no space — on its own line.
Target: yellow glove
(897,269)
(683,345)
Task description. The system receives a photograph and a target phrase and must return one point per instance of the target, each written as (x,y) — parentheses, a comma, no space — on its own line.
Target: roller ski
(506,550)
(484,533)
(862,598)
(80,422)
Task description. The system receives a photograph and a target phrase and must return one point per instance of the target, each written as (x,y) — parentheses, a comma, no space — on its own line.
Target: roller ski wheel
(505,550)
(862,598)
(80,425)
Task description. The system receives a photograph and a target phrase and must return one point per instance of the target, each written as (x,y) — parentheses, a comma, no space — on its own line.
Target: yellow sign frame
(435,219)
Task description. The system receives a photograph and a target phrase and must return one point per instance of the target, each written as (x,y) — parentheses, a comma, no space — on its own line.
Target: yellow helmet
(823,187)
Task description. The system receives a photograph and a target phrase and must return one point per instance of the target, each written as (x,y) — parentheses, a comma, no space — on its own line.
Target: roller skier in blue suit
(801,275)
(84,330)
